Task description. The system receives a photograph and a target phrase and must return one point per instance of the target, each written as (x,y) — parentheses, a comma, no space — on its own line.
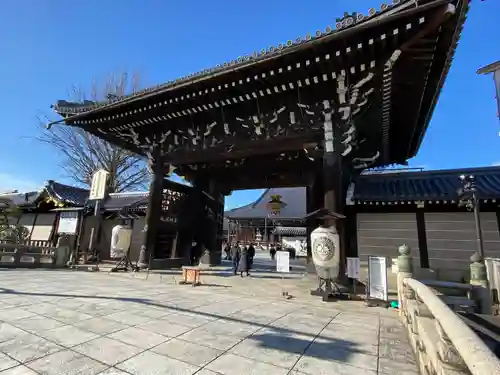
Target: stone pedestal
(479,278)
(405,270)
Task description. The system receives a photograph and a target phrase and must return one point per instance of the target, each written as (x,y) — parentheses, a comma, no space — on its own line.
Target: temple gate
(313,111)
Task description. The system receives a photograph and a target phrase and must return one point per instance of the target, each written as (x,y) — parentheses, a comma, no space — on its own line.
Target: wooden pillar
(186,222)
(314,201)
(332,180)
(150,231)
(351,232)
(211,222)
(216,258)
(422,238)
(203,224)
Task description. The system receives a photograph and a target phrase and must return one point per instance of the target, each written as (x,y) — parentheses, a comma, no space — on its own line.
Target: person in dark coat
(193,254)
(272,252)
(235,256)
(251,255)
(243,264)
(227,250)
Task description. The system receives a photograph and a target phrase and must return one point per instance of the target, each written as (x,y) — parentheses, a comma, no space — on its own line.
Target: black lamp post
(467,196)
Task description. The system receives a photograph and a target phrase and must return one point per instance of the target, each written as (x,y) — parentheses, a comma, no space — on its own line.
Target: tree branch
(82,153)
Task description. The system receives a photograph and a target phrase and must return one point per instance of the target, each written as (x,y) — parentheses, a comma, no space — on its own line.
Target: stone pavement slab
(69,322)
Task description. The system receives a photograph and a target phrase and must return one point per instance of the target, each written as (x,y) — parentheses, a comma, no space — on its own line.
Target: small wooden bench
(191,275)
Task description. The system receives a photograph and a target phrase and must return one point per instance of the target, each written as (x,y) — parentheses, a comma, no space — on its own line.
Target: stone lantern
(258,237)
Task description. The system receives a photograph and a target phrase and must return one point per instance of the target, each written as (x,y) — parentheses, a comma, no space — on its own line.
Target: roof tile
(347,21)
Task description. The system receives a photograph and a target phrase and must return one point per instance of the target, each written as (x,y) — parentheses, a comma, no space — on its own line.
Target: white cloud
(10,182)
(496,164)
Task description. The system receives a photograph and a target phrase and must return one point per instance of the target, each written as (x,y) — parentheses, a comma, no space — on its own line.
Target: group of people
(242,257)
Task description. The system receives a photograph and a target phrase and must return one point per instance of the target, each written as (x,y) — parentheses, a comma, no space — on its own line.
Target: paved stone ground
(70,322)
(264,281)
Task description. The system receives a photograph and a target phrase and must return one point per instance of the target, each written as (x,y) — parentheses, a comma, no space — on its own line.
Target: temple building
(278,212)
(314,111)
(388,209)
(46,213)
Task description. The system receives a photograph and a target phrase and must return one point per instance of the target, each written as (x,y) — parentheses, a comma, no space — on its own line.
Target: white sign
(282,261)
(353,267)
(98,186)
(377,278)
(68,221)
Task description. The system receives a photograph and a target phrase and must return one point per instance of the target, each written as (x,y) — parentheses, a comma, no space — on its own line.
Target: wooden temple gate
(314,111)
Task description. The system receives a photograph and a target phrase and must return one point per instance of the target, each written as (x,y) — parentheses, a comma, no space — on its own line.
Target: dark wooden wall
(442,237)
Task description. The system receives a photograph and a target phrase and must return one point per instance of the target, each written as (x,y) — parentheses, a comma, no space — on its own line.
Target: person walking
(235,256)
(251,255)
(272,252)
(227,250)
(243,264)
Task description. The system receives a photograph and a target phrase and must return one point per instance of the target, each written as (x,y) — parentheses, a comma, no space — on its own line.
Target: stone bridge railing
(493,273)
(442,342)
(35,243)
(26,256)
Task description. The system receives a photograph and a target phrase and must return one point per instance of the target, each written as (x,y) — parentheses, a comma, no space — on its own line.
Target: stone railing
(442,342)
(493,273)
(25,256)
(36,243)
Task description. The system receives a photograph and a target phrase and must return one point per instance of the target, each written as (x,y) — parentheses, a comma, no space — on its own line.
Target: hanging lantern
(275,205)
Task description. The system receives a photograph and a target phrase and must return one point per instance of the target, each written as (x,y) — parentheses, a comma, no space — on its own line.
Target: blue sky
(47,46)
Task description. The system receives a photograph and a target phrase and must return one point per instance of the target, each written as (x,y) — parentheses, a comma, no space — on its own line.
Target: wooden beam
(243,150)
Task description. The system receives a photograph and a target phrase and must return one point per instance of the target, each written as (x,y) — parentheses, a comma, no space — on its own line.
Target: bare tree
(84,153)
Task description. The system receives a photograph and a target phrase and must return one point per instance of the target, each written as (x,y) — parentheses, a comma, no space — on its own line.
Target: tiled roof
(348,21)
(67,194)
(427,185)
(294,199)
(440,185)
(139,199)
(22,199)
(117,201)
(290,231)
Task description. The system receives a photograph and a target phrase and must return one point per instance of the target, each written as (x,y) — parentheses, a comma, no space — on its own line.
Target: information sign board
(377,278)
(68,221)
(282,261)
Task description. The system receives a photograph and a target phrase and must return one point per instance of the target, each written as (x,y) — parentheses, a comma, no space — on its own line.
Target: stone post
(405,270)
(479,279)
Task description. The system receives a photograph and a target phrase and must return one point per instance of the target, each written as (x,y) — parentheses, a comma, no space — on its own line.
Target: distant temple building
(386,209)
(277,212)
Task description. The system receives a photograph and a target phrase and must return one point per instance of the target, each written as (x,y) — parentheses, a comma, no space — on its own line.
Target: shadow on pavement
(267,336)
(279,338)
(330,349)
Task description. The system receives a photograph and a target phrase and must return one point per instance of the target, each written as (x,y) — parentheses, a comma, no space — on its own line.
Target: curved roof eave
(385,14)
